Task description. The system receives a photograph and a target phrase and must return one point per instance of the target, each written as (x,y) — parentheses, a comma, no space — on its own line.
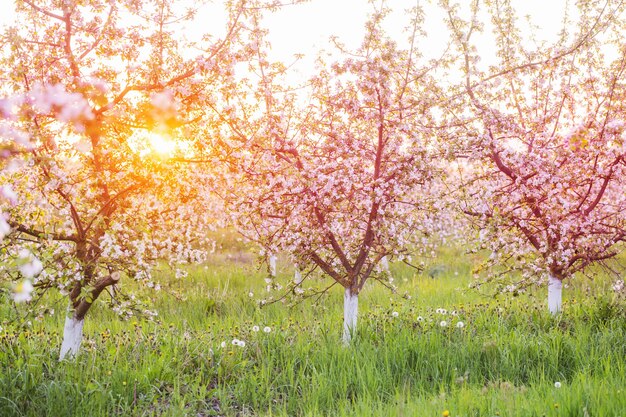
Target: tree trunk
(554,294)
(350,311)
(384,263)
(272,265)
(72,336)
(73,330)
(297,276)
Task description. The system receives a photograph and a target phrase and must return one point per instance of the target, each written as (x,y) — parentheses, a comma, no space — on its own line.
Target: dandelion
(443,323)
(255,328)
(394,314)
(267,329)
(557,384)
(460,325)
(445,413)
(23,291)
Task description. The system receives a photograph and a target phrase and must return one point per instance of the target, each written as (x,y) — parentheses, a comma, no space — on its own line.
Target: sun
(155,144)
(161,144)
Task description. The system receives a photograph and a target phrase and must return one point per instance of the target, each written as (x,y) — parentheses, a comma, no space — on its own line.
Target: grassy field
(508,359)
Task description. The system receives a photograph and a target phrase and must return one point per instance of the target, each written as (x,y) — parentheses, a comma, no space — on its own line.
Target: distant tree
(96,201)
(334,172)
(543,132)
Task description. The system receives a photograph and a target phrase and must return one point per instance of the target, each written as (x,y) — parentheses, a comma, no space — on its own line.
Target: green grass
(504,361)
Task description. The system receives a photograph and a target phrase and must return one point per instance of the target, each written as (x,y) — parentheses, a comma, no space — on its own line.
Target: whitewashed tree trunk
(384,263)
(272,262)
(350,311)
(297,276)
(554,294)
(72,336)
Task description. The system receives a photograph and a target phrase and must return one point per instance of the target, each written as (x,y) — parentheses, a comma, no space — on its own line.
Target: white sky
(306,28)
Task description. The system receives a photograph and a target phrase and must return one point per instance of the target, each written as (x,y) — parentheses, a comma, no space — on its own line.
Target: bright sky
(306,28)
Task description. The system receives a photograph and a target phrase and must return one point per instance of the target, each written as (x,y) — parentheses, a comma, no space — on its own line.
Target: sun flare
(161,144)
(155,144)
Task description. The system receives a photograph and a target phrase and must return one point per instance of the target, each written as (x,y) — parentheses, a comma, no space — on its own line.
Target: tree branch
(83,305)
(42,235)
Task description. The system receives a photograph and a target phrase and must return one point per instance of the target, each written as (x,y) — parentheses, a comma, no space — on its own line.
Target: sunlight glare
(161,144)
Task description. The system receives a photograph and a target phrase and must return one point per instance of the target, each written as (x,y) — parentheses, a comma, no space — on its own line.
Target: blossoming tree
(97,201)
(544,132)
(333,172)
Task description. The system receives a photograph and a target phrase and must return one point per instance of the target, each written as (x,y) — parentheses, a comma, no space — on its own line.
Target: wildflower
(23,291)
(237,342)
(250,294)
(267,329)
(618,286)
(557,384)
(443,323)
(420,318)
(394,314)
(460,325)
(223,344)
(255,328)
(445,413)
